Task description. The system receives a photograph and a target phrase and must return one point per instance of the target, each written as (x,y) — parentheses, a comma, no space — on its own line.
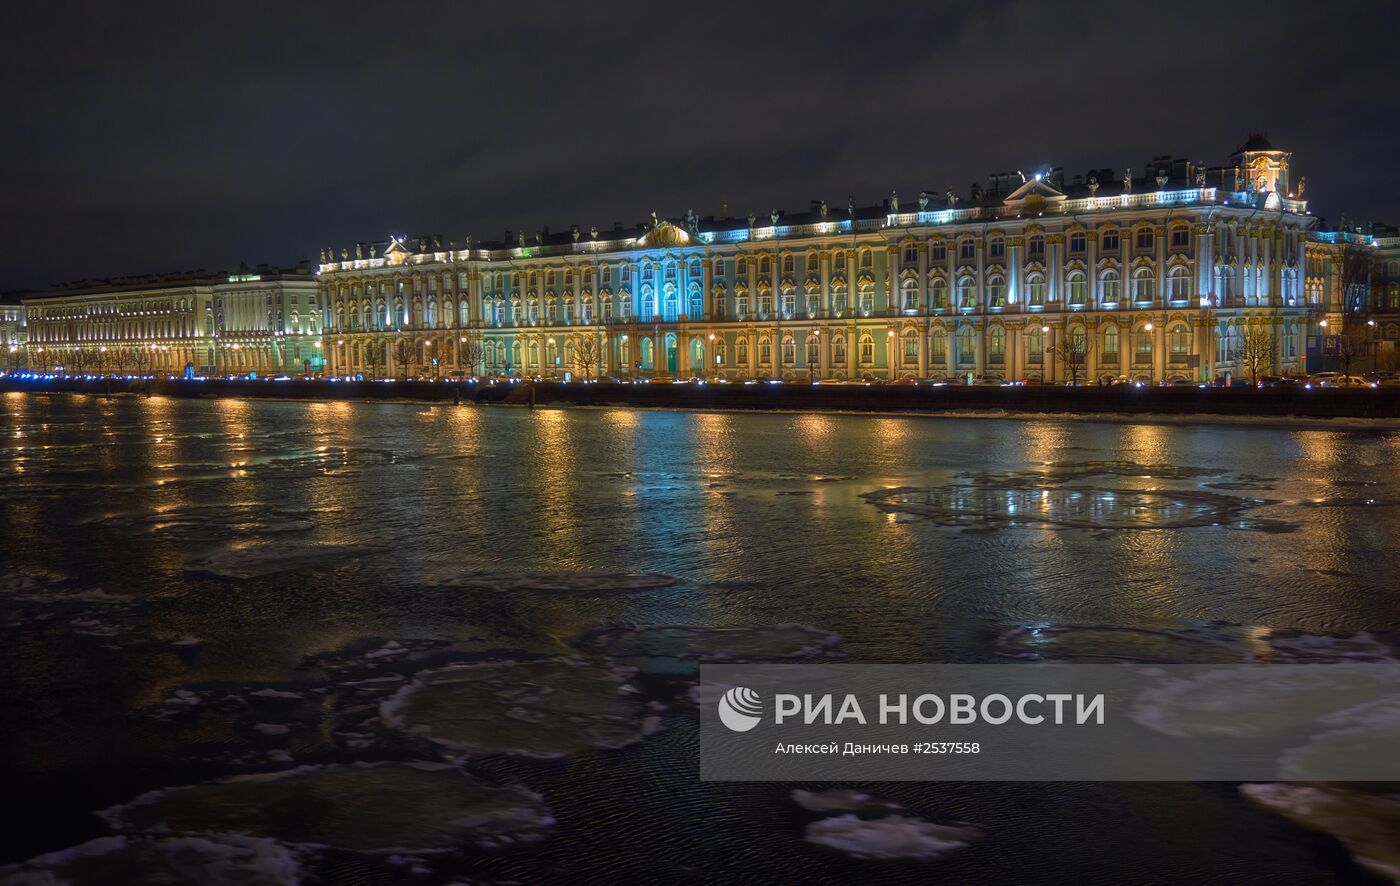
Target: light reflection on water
(761,515)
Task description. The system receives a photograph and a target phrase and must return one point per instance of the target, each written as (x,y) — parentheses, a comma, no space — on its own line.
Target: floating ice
(712,644)
(844,800)
(998,504)
(892,838)
(1366,820)
(363,807)
(269,559)
(1215,643)
(216,860)
(584,580)
(545,709)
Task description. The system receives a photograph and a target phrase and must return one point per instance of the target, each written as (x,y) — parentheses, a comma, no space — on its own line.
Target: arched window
(1179,284)
(996,345)
(839,262)
(910,298)
(967,293)
(1179,342)
(996,291)
(867,259)
(1078,288)
(1035,345)
(765,266)
(789,351)
(967,345)
(1078,340)
(996,249)
(765,351)
(813,349)
(788,264)
(789,306)
(967,250)
(838,349)
(741,351)
(911,347)
(867,349)
(1142,346)
(1035,289)
(867,299)
(1110,343)
(1112,287)
(586,309)
(938,345)
(938,292)
(1144,285)
(741,267)
(1035,248)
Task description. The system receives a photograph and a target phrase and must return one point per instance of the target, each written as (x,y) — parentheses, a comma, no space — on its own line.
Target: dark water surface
(764,519)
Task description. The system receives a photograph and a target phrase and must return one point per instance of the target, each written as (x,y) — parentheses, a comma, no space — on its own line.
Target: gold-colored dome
(665,234)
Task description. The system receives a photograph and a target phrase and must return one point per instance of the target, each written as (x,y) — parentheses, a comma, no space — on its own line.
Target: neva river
(195,591)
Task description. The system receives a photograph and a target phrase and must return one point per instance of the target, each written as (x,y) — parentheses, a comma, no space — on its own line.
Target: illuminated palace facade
(261,320)
(1153,276)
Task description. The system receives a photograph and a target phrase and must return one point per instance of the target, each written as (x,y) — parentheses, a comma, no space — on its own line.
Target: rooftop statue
(894,202)
(923,201)
(951,196)
(823,209)
(1201,176)
(1128,180)
(1302,186)
(1161,178)
(575,232)
(774,217)
(1093,184)
(359,251)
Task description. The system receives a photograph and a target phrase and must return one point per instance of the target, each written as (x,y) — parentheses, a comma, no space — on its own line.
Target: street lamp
(1151,366)
(1044,348)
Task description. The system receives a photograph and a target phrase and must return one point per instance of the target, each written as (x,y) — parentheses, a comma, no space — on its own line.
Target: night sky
(161,137)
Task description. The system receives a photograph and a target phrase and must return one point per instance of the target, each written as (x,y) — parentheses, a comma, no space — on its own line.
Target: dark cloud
(162,136)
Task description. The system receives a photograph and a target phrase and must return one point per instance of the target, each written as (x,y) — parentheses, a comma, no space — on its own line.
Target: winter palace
(1155,273)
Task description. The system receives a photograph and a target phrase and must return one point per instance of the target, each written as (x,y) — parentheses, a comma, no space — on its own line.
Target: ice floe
(545,709)
(844,800)
(215,860)
(713,644)
(1365,819)
(1213,643)
(892,838)
(377,808)
(269,559)
(560,582)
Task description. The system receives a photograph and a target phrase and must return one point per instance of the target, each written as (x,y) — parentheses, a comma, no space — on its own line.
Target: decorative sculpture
(520,238)
(593,232)
(539,237)
(851,206)
(1128,180)
(359,251)
(923,201)
(951,196)
(1302,186)
(774,217)
(823,209)
(575,232)
(654,221)
(467,242)
(753,220)
(344,253)
(894,202)
(1161,178)
(323,255)
(1239,179)
(1093,185)
(1201,176)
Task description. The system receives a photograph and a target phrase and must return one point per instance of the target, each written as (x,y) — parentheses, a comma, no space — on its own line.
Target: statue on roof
(344,254)
(923,201)
(359,251)
(823,209)
(976,193)
(654,221)
(437,242)
(323,255)
(520,238)
(467,242)
(894,202)
(593,232)
(1093,185)
(773,216)
(1201,176)
(753,220)
(951,196)
(692,220)
(851,206)
(539,237)
(575,232)
(422,244)
(1128,180)
(1302,186)
(1161,178)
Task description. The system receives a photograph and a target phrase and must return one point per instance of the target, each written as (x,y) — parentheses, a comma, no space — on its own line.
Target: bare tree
(1257,351)
(470,353)
(1074,353)
(1349,346)
(141,359)
(373,354)
(80,360)
(586,354)
(401,355)
(16,357)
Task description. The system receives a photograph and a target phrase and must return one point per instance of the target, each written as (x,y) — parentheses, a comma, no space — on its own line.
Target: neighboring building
(1384,308)
(12,332)
(1153,276)
(261,320)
